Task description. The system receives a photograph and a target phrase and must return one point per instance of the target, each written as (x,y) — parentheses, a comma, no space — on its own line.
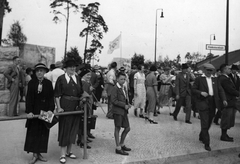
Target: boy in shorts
(120,110)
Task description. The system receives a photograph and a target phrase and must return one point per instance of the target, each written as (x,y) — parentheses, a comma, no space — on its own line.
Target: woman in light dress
(164,93)
(139,91)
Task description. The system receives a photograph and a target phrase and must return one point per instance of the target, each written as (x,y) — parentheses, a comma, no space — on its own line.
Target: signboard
(215,47)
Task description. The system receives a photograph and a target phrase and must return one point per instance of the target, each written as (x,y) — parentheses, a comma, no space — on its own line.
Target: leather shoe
(225,138)
(207,147)
(188,122)
(175,118)
(231,138)
(121,152)
(91,136)
(124,148)
(41,158)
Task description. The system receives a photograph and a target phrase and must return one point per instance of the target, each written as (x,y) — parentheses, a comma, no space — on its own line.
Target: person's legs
(116,136)
(123,135)
(188,108)
(204,134)
(178,107)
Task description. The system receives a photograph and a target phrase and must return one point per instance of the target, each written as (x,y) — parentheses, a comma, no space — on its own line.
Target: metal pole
(85,132)
(36,116)
(227,31)
(155,50)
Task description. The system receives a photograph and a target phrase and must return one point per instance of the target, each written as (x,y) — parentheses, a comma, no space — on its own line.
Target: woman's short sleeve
(58,87)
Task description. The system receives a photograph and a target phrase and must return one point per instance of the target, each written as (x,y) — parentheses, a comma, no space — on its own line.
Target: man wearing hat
(207,90)
(234,77)
(183,93)
(229,111)
(58,71)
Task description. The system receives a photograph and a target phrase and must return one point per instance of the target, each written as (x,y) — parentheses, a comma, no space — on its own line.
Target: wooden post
(85,132)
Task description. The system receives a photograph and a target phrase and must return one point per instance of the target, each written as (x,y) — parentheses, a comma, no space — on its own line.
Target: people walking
(67,94)
(207,91)
(152,93)
(40,96)
(164,93)
(120,114)
(183,93)
(229,111)
(131,83)
(139,91)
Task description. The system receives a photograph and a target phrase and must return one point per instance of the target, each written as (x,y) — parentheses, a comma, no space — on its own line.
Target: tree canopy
(96,26)
(15,37)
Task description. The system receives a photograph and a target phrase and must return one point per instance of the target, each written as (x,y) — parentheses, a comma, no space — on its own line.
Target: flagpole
(121,49)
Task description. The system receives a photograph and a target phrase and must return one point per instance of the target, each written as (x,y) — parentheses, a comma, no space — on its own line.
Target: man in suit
(15,80)
(234,77)
(120,111)
(183,93)
(207,90)
(228,112)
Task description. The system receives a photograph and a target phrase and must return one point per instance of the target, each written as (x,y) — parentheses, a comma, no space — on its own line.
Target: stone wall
(6,55)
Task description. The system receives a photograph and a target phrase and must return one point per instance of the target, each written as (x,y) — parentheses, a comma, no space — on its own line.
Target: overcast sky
(186,26)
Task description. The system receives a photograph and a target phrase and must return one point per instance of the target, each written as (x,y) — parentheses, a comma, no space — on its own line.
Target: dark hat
(166,68)
(40,66)
(185,66)
(122,69)
(70,63)
(153,68)
(234,67)
(15,57)
(84,68)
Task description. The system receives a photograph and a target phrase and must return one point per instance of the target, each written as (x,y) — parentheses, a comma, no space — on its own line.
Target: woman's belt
(165,84)
(71,98)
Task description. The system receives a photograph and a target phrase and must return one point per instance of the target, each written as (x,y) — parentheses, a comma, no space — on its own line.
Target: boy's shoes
(124,148)
(121,152)
(207,147)
(91,136)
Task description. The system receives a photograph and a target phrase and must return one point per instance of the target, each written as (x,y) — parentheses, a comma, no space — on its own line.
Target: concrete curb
(187,157)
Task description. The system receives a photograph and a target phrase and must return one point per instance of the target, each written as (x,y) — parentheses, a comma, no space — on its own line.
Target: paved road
(167,142)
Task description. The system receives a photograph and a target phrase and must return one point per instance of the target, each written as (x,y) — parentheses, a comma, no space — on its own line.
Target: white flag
(114,44)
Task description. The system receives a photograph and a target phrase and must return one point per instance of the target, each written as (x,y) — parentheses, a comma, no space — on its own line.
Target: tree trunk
(66,39)
(1,20)
(84,55)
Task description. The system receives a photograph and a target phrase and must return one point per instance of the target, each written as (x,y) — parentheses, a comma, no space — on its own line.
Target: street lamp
(214,38)
(156,34)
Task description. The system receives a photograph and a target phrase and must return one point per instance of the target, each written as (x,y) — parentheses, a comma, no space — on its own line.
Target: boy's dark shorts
(121,121)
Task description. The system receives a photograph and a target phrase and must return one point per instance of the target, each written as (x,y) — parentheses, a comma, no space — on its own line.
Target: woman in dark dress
(40,96)
(67,93)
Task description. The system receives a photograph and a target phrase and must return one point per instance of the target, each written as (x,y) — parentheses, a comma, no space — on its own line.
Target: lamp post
(227,31)
(214,38)
(156,34)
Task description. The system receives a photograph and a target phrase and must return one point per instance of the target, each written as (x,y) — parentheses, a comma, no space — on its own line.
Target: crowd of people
(203,93)
(66,86)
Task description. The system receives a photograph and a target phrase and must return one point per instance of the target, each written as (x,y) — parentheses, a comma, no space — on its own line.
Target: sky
(186,27)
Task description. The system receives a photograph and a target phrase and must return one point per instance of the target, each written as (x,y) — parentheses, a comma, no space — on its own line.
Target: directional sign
(215,47)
